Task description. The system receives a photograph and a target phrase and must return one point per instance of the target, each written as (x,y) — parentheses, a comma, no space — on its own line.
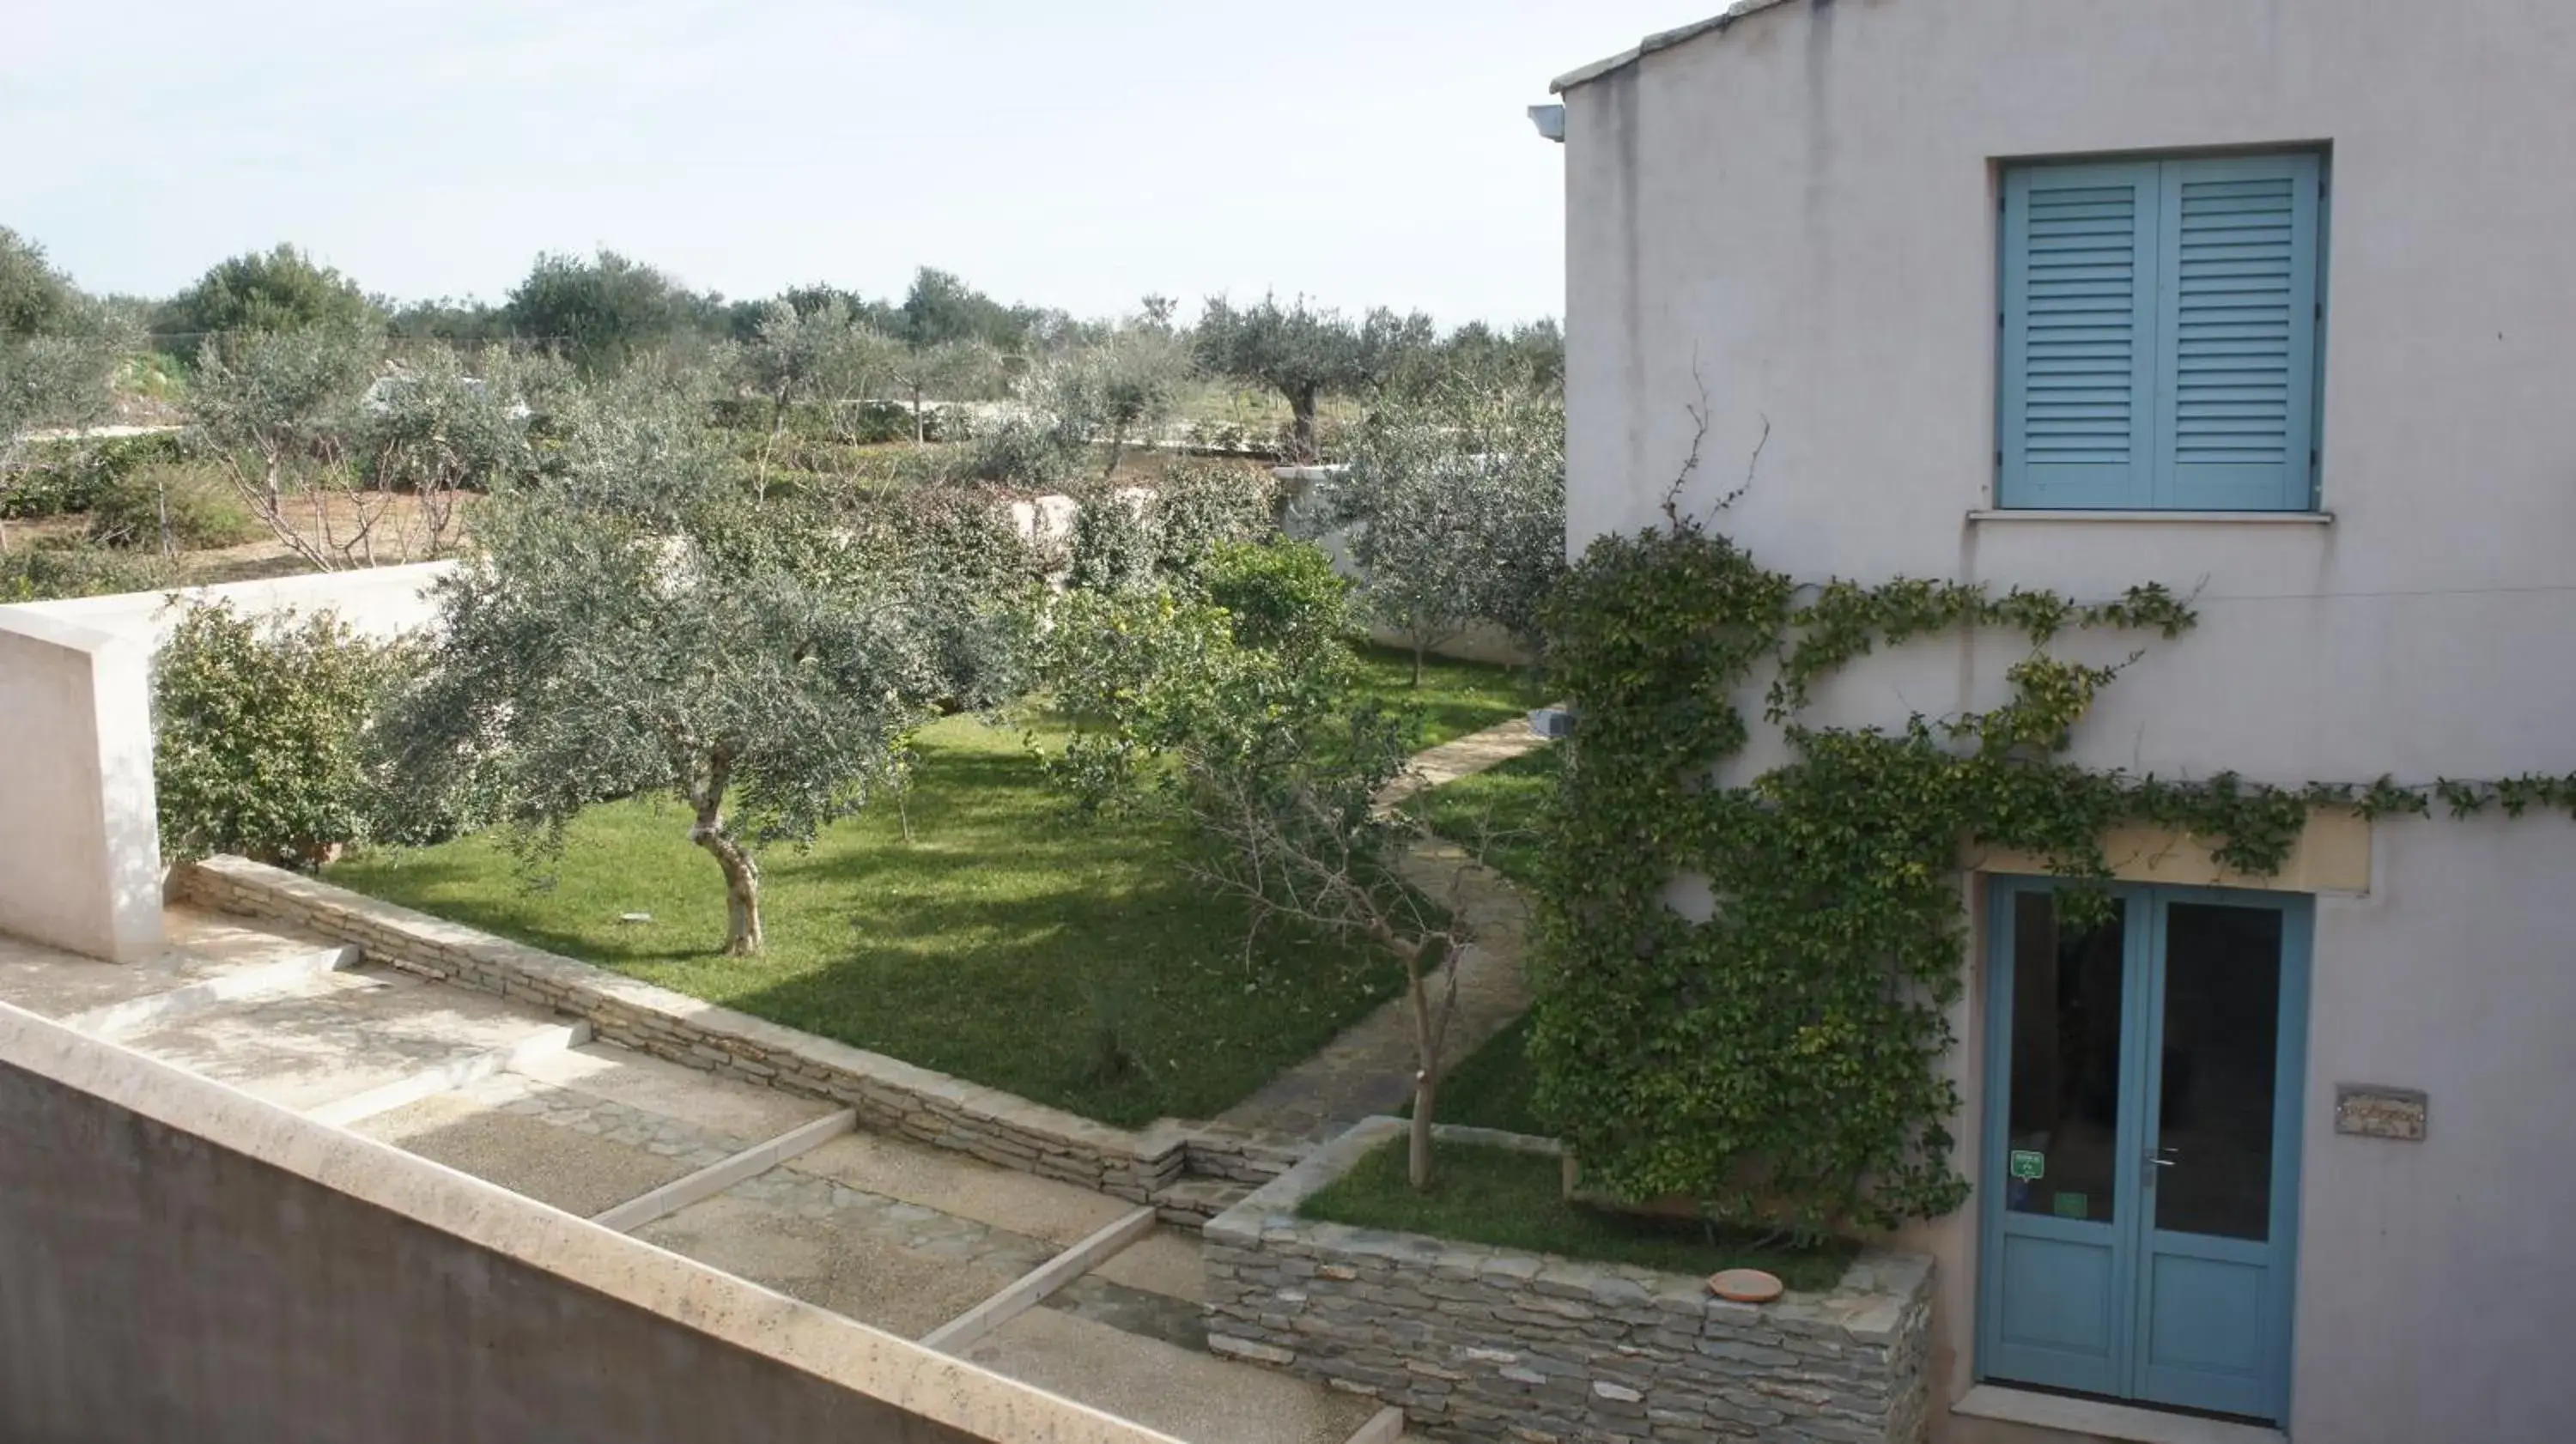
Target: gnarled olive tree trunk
(741,872)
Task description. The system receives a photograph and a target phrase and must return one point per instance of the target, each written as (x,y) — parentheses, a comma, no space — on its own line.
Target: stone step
(212,958)
(1193,1201)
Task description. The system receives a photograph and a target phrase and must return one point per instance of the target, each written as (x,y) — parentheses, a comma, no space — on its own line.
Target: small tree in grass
(639,625)
(1455,509)
(1243,727)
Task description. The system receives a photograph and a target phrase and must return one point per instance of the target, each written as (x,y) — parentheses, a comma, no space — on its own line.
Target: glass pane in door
(2217,1077)
(2064,1122)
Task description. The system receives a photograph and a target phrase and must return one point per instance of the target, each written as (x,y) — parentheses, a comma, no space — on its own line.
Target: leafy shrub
(58,568)
(62,478)
(186,507)
(1025,455)
(1283,595)
(260,728)
(1201,505)
(1113,540)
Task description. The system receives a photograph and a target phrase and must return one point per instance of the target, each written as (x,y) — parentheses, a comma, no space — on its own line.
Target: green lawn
(1493,1087)
(1513,1199)
(1005,944)
(1455,698)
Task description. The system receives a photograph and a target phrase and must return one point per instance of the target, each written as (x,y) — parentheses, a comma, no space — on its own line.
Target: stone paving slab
(578,1173)
(812,1256)
(1182,1392)
(337,1036)
(964,1187)
(722,1111)
(1463,757)
(1164,1262)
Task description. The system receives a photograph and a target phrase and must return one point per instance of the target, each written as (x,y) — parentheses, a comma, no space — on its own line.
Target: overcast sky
(1069,154)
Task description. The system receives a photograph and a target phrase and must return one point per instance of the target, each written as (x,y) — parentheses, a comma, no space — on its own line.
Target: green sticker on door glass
(2029,1163)
(2074,1205)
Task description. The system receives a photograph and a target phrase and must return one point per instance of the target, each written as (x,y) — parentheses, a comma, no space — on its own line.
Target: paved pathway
(1369,1068)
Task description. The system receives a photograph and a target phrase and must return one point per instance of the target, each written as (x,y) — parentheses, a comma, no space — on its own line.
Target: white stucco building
(2273,301)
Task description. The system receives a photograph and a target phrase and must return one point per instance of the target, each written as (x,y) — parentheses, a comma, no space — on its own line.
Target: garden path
(1369,1068)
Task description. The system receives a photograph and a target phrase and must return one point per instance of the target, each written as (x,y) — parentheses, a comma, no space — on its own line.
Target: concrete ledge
(493,1228)
(715,1178)
(2058,1416)
(1478,1341)
(1033,1288)
(887,1094)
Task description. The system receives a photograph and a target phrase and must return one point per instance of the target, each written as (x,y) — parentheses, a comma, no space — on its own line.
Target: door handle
(2162,1162)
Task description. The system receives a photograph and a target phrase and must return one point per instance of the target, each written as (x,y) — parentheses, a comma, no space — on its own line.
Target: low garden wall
(1473,1341)
(890,1095)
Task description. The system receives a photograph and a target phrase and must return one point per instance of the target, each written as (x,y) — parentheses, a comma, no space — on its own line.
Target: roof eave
(1664,40)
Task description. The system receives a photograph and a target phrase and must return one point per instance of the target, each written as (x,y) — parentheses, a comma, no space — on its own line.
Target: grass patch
(1008,944)
(1511,1199)
(1493,1087)
(1455,697)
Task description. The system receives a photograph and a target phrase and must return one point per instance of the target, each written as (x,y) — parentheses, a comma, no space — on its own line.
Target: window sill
(2191,518)
(2096,1419)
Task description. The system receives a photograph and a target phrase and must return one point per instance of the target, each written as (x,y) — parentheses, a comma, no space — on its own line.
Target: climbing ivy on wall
(1780,1062)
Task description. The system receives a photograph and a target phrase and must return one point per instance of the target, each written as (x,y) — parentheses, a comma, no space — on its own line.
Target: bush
(171,508)
(1283,595)
(63,478)
(259,734)
(1201,506)
(1025,455)
(1113,541)
(55,569)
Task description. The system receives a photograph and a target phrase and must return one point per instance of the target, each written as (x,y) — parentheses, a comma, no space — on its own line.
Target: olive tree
(1306,352)
(819,354)
(277,290)
(280,410)
(59,351)
(1127,385)
(636,624)
(1454,509)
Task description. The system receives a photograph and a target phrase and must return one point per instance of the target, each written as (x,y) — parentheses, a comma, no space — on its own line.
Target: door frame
(2140,1080)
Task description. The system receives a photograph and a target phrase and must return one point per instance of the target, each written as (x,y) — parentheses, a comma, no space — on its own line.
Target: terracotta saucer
(1744,1286)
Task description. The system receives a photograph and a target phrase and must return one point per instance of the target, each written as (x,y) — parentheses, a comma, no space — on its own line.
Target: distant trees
(1306,353)
(278,290)
(59,352)
(601,312)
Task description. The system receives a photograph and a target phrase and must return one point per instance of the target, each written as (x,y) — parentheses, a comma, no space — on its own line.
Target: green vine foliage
(1781,1062)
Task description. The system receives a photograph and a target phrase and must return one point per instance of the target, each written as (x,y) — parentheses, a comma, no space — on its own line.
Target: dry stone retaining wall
(889,1095)
(1478,1342)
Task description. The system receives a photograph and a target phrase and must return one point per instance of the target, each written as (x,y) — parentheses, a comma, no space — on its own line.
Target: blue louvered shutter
(2079,336)
(2235,407)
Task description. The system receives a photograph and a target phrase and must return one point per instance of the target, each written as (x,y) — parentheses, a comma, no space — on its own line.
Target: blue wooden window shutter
(2160,335)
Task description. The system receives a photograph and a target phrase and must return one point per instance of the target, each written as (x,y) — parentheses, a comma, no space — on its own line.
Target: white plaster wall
(376,601)
(1799,215)
(80,856)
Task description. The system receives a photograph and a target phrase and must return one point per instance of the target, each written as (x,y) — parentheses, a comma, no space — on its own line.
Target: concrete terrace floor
(896,1235)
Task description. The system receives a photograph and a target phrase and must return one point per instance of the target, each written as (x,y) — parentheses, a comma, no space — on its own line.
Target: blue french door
(2141,1176)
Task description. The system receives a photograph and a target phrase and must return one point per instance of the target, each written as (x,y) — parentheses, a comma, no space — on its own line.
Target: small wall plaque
(2370,1111)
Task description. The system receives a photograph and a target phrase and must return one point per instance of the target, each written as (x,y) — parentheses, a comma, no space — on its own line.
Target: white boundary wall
(80,851)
